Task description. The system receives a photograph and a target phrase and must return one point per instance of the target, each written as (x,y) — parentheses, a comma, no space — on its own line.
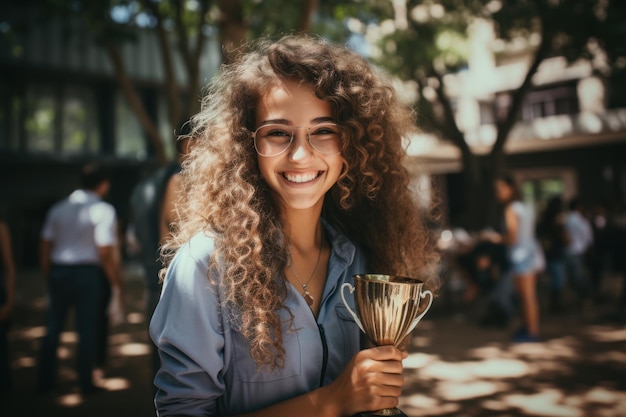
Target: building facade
(60,106)
(569,140)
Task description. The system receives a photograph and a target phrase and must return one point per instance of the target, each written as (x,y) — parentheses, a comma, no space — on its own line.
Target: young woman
(294,183)
(519,237)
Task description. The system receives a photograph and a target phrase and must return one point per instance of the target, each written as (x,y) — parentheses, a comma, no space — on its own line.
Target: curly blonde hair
(225,195)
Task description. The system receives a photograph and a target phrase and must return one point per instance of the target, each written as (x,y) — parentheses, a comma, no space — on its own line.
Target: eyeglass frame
(293,135)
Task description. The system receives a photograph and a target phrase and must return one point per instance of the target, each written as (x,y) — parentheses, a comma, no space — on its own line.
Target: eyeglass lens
(271,140)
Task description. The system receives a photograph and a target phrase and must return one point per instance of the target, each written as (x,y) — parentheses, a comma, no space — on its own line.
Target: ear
(103,188)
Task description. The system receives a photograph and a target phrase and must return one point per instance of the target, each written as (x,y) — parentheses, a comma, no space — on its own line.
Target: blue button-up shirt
(206,366)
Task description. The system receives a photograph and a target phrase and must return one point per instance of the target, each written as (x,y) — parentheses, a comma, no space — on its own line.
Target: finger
(382,353)
(378,368)
(375,380)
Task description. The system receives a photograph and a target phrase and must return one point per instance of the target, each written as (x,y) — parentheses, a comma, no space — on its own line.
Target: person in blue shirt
(295,181)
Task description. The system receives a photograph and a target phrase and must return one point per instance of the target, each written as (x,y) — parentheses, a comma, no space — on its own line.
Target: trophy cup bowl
(388,308)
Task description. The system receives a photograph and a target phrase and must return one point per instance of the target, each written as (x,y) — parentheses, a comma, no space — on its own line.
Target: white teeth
(300,178)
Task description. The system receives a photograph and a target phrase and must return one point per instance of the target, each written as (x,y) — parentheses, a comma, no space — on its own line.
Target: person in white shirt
(78,245)
(580,238)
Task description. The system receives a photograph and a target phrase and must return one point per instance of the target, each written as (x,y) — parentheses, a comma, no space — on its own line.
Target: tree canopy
(420,41)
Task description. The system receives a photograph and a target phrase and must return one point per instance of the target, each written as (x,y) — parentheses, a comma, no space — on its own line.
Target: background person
(78,244)
(7,300)
(150,199)
(295,172)
(580,235)
(519,237)
(554,239)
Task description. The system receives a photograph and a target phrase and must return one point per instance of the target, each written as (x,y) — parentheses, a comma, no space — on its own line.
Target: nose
(300,147)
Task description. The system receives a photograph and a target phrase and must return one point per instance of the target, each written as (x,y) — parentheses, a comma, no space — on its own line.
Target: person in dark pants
(554,239)
(152,205)
(78,244)
(103,330)
(7,302)
(146,202)
(619,259)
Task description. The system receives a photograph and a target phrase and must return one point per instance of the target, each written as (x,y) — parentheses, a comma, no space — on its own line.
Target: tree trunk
(232,27)
(306,18)
(134,101)
(480,172)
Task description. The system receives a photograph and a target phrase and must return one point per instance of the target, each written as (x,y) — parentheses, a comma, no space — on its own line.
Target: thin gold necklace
(307,295)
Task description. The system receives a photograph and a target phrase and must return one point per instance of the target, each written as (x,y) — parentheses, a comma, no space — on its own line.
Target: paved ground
(455,368)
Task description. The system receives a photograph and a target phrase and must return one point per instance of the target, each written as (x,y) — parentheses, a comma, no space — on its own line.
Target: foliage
(418,40)
(432,42)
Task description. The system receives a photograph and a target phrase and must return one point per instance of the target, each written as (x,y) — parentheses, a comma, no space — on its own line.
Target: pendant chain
(307,296)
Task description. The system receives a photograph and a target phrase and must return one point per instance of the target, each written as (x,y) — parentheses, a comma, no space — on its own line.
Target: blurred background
(531,88)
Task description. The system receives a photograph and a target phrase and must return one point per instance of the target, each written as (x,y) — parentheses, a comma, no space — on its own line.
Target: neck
(303,229)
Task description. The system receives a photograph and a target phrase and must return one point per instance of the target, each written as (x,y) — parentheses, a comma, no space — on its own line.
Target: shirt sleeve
(187,329)
(104,219)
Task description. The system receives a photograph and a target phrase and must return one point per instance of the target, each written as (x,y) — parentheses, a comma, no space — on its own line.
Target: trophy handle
(423,294)
(345,303)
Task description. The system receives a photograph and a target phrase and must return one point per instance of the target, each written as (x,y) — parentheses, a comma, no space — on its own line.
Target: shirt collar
(83,196)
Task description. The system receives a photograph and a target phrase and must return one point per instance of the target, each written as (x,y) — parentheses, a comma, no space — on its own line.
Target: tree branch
(193,102)
(504,128)
(449,122)
(232,26)
(181,31)
(168,64)
(133,99)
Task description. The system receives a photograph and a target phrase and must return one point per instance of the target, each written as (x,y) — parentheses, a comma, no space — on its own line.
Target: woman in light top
(522,248)
(294,183)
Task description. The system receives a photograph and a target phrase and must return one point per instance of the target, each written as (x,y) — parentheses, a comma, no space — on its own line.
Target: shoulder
(519,208)
(187,287)
(200,247)
(102,211)
(57,208)
(518,205)
(191,260)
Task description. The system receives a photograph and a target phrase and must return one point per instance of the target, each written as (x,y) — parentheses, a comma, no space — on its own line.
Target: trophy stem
(386,412)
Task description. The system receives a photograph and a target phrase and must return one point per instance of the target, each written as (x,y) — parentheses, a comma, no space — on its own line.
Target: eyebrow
(317,120)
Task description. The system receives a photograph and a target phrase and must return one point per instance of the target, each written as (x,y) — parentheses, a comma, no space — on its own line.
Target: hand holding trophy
(388,310)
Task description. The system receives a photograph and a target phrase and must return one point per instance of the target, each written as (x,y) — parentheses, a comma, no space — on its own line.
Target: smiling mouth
(301,178)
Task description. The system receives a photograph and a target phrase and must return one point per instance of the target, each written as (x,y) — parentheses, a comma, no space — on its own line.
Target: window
(129,139)
(41,116)
(536,192)
(544,102)
(80,133)
(550,101)
(9,111)
(58,119)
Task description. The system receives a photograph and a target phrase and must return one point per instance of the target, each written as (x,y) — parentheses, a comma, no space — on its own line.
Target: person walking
(78,243)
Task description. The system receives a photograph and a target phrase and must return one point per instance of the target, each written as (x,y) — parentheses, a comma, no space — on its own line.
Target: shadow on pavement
(455,368)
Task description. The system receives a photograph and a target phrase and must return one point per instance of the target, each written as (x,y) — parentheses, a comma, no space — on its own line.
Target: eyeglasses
(274,139)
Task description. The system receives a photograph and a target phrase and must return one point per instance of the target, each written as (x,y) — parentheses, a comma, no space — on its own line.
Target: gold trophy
(388,310)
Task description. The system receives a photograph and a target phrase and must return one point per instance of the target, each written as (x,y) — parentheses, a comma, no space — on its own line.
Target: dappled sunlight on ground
(69,400)
(578,373)
(125,385)
(131,349)
(607,334)
(454,367)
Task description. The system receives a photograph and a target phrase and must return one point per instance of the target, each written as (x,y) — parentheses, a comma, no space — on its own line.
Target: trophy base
(396,412)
